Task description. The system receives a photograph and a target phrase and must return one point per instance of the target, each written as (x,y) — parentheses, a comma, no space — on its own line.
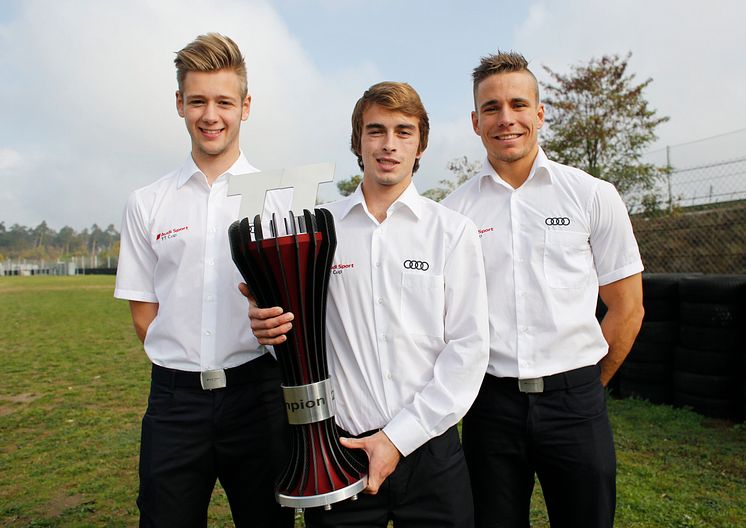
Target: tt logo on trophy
(287,263)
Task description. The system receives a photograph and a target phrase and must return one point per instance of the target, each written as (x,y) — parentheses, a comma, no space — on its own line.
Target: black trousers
(191,437)
(562,436)
(428,489)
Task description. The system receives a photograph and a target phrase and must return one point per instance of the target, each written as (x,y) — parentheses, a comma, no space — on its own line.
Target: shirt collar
(190,168)
(540,168)
(410,199)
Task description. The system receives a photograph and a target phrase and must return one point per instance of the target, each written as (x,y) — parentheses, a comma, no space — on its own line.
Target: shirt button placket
(209,285)
(379,308)
(519,274)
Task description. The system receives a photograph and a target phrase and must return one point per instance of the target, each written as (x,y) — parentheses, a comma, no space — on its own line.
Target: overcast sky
(88,86)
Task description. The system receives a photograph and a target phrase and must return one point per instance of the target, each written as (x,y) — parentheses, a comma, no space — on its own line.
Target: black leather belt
(345,434)
(213,379)
(559,381)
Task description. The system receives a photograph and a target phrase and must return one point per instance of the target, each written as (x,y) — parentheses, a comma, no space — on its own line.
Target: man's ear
(540,115)
(179,103)
(246,107)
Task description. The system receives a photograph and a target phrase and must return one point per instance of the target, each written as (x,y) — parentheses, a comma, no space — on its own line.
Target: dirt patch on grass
(12,403)
(59,504)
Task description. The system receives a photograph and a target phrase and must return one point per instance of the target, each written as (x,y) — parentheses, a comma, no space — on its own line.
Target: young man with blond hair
(215,406)
(406,327)
(554,238)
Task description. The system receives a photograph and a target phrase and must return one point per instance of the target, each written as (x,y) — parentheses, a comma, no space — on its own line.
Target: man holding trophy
(406,324)
(215,405)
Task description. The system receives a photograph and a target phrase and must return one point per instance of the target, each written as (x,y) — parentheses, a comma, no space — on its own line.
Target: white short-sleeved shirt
(406,318)
(175,252)
(548,245)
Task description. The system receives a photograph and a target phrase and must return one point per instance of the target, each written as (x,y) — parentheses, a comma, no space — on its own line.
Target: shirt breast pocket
(567,259)
(422,304)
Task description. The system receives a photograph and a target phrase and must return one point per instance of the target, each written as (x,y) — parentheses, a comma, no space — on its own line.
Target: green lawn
(74,386)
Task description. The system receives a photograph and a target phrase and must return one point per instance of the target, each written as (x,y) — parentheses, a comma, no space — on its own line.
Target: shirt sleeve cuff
(131,295)
(621,273)
(406,432)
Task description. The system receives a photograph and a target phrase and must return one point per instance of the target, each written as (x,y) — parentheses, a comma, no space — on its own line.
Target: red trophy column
(292,271)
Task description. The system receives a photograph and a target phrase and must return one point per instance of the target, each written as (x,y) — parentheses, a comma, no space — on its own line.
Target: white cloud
(89,86)
(9,160)
(98,81)
(693,51)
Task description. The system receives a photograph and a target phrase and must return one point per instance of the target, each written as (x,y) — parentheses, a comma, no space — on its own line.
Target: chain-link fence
(698,223)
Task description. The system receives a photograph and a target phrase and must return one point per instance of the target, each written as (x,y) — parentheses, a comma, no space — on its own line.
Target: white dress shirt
(548,245)
(175,251)
(406,318)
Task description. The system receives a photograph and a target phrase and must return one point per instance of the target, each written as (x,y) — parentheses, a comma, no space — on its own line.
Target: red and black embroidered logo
(171,233)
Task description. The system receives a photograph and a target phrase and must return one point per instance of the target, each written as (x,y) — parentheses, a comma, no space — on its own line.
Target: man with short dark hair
(553,238)
(406,327)
(215,405)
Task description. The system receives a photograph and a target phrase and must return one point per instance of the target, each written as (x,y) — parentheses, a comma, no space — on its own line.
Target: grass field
(74,385)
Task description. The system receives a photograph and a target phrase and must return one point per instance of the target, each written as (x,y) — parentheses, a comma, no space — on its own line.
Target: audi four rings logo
(557,221)
(416,265)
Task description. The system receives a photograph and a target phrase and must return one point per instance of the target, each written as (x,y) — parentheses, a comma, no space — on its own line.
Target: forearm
(143,314)
(620,331)
(621,323)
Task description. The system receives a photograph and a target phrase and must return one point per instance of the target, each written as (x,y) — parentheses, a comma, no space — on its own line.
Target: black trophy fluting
(292,271)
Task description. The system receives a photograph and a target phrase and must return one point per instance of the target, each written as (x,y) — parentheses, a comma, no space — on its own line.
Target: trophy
(292,270)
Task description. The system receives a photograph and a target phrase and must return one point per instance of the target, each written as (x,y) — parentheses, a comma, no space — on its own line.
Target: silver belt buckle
(531,385)
(212,379)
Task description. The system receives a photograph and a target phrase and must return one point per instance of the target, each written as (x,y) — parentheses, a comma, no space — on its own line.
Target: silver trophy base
(325,499)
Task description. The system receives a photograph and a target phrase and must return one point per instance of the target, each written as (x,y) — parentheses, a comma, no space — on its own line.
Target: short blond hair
(209,53)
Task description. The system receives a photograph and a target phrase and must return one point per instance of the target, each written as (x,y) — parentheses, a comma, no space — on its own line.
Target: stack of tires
(709,367)
(647,371)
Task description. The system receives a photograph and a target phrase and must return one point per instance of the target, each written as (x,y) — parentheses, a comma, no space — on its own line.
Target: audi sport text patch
(171,233)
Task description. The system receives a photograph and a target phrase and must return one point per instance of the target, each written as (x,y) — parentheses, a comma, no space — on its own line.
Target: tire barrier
(709,315)
(691,349)
(709,368)
(647,372)
(713,288)
(658,333)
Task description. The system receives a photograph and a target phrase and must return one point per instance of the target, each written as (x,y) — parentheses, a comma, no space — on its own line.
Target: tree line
(44,243)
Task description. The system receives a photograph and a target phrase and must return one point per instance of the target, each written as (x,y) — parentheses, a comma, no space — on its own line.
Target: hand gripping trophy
(287,262)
